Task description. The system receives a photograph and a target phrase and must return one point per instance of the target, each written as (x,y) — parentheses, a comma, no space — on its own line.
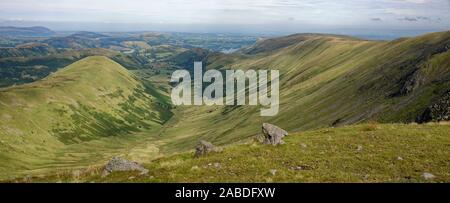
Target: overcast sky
(271,15)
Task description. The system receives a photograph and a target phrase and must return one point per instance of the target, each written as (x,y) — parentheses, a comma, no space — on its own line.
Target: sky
(287,16)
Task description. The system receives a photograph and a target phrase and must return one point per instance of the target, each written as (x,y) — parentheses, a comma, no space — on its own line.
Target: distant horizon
(69,27)
(393,18)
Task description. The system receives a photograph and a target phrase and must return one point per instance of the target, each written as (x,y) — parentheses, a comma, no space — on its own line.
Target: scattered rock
(438,111)
(204,147)
(273,134)
(336,122)
(27,179)
(76,174)
(428,176)
(400,158)
(213,165)
(300,168)
(360,148)
(194,168)
(259,138)
(303,145)
(120,164)
(413,82)
(273,171)
(217,165)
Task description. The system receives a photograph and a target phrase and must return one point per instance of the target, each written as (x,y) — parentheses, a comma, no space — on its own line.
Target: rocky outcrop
(412,83)
(120,164)
(272,134)
(438,111)
(205,147)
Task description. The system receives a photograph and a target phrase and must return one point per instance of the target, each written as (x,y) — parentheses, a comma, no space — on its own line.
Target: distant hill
(85,34)
(31,62)
(83,40)
(11,31)
(73,42)
(187,58)
(27,50)
(273,44)
(79,40)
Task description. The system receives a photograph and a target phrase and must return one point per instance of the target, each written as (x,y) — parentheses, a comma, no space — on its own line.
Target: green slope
(84,114)
(327,80)
(94,100)
(355,153)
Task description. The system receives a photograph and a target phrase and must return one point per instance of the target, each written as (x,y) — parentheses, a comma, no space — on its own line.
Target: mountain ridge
(91,100)
(273,44)
(329,83)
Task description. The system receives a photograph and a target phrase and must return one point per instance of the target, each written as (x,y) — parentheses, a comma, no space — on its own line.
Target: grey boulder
(273,134)
(121,164)
(204,147)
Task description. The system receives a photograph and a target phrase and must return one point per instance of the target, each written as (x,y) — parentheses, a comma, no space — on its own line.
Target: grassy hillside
(359,153)
(87,106)
(328,80)
(94,109)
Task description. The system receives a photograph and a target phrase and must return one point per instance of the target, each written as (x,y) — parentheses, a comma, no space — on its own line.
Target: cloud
(422,18)
(415,1)
(419,18)
(321,13)
(408,19)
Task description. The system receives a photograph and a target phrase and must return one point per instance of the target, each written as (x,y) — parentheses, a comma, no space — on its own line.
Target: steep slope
(329,81)
(93,99)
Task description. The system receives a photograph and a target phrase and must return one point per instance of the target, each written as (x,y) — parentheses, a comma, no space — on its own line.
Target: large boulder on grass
(273,134)
(204,147)
(120,164)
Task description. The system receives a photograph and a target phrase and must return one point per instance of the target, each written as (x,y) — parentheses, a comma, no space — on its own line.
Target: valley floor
(356,153)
